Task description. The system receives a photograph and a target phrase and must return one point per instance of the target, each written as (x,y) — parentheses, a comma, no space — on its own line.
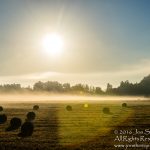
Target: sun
(53,43)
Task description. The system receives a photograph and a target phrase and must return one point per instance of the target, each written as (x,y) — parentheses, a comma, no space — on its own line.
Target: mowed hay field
(85,127)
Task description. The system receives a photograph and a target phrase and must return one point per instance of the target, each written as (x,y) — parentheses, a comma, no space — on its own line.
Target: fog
(53,98)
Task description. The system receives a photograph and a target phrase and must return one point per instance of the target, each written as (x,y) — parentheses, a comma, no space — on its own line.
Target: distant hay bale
(106,110)
(26,129)
(15,123)
(30,116)
(35,107)
(3,118)
(69,108)
(1,108)
(124,104)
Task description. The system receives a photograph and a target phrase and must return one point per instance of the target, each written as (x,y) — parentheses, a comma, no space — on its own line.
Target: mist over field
(54,98)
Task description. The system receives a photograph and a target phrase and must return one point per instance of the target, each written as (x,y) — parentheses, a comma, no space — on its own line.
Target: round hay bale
(106,110)
(124,104)
(26,129)
(30,116)
(3,118)
(1,108)
(15,123)
(35,107)
(69,108)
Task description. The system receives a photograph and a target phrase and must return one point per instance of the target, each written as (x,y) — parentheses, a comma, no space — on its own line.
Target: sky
(105,41)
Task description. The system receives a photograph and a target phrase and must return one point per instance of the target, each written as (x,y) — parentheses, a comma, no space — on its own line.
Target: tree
(109,89)
(98,90)
(66,87)
(39,86)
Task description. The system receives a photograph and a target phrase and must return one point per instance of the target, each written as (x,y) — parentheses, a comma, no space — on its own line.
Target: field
(86,127)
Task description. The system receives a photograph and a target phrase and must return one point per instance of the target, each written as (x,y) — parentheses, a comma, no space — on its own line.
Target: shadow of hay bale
(3,118)
(69,108)
(15,123)
(53,125)
(26,129)
(30,116)
(36,107)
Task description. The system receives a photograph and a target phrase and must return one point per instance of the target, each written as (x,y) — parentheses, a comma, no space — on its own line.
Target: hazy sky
(104,41)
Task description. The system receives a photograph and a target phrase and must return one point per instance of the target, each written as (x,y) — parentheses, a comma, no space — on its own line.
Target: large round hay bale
(106,110)
(124,104)
(3,118)
(30,116)
(1,108)
(35,107)
(26,129)
(69,108)
(15,123)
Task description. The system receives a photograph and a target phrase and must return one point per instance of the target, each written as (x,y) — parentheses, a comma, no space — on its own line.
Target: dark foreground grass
(83,128)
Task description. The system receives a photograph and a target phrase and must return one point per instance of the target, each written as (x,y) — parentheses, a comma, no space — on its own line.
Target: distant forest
(125,88)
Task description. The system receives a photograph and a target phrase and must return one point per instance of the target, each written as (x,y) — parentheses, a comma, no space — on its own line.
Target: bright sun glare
(53,43)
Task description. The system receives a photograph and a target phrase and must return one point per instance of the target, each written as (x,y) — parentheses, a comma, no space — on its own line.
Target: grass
(82,128)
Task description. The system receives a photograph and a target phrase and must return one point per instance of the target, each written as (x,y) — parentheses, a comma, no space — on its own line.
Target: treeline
(125,88)
(52,87)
